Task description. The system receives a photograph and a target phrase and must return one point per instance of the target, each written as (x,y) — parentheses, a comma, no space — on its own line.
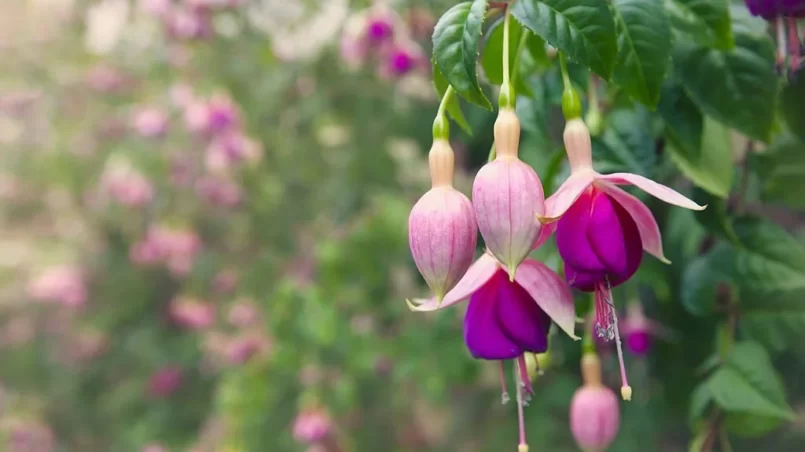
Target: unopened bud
(507,194)
(442,231)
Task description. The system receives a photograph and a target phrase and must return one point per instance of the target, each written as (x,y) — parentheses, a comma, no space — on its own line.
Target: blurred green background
(203,214)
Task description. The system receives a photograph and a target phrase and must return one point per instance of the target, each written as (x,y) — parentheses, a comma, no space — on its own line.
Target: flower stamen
(626,390)
(504,393)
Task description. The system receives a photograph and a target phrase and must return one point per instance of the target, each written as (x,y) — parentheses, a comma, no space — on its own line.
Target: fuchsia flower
(770,9)
(442,232)
(507,318)
(506,195)
(602,229)
(594,410)
(640,331)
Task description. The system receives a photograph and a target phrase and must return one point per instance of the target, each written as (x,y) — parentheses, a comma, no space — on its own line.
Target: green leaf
(747,385)
(751,425)
(583,29)
(626,144)
(702,278)
(708,163)
(492,55)
(770,275)
(699,401)
(707,21)
(715,218)
(644,48)
(455,48)
(781,170)
(791,101)
(737,87)
(453,105)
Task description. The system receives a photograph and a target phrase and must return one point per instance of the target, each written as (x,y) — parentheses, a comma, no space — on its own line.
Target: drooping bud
(594,410)
(578,146)
(442,232)
(507,194)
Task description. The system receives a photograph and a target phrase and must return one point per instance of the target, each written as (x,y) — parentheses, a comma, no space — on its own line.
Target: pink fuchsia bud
(311,426)
(507,196)
(60,284)
(442,232)
(594,410)
(150,122)
(165,382)
(191,313)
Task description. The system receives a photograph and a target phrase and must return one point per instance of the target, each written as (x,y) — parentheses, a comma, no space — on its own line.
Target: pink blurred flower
(154,448)
(105,79)
(60,284)
(242,347)
(165,382)
(243,314)
(181,170)
(311,425)
(217,115)
(225,281)
(188,24)
(191,313)
(176,248)
(126,185)
(229,149)
(181,95)
(156,8)
(218,191)
(31,437)
(150,122)
(401,59)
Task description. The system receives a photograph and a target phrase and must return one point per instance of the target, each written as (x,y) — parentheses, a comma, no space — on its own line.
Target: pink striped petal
(659,191)
(565,196)
(477,275)
(551,293)
(642,216)
(544,234)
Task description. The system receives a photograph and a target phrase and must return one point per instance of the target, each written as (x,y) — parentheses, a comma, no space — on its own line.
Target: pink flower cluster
(187,19)
(175,248)
(126,186)
(381,35)
(191,313)
(60,284)
(312,425)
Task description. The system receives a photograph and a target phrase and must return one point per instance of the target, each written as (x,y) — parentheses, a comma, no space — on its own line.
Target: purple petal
(521,318)
(582,280)
(477,275)
(549,292)
(614,237)
(483,334)
(571,236)
(646,224)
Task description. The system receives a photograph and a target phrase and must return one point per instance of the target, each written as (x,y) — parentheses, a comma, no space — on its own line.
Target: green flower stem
(520,48)
(587,343)
(506,98)
(571,103)
(441,125)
